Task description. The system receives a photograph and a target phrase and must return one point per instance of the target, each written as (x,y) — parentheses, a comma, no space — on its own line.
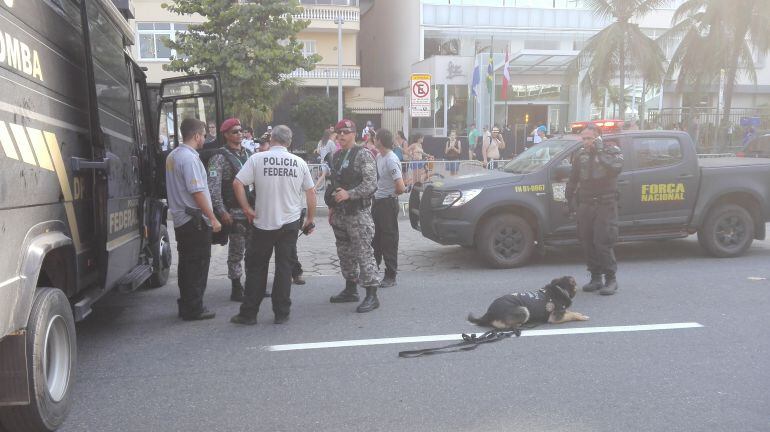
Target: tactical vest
(228,193)
(595,178)
(344,175)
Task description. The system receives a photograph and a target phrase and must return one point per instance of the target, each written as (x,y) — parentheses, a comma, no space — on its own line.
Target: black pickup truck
(666,192)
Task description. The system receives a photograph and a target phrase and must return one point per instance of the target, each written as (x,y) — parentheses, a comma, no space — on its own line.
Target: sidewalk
(318,253)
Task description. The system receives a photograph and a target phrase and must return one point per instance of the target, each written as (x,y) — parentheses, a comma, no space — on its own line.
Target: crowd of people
(256,196)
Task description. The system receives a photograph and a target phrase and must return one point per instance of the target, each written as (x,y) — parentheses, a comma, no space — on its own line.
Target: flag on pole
(506,76)
(490,73)
(476,76)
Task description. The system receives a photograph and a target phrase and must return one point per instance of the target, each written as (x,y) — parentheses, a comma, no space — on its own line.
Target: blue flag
(476,77)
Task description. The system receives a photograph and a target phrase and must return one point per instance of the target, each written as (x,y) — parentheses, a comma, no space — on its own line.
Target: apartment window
(308,47)
(152,37)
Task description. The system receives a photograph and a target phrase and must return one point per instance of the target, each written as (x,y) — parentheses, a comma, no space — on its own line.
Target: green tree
(619,47)
(716,35)
(314,114)
(252,46)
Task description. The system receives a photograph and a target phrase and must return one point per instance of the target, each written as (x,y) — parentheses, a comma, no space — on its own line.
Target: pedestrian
(224,164)
(491,148)
(280,179)
(369,143)
(189,203)
(326,145)
(473,140)
(416,155)
(593,188)
(349,198)
(248,139)
(368,130)
(452,150)
(390,185)
(398,147)
(539,135)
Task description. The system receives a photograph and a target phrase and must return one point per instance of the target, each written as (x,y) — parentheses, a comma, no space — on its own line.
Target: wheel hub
(56,358)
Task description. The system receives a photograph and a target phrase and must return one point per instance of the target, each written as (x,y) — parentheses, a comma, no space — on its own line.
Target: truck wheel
(506,241)
(161,258)
(727,232)
(51,359)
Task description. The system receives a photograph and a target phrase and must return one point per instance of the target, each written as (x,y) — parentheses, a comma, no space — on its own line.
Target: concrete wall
(389,42)
(326,46)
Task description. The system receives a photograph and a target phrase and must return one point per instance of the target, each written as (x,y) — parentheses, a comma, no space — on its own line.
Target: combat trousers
(385,243)
(258,253)
(597,223)
(193,245)
(353,234)
(236,247)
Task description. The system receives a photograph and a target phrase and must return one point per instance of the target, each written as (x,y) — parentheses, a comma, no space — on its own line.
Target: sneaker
(280,319)
(388,282)
(205,314)
(240,319)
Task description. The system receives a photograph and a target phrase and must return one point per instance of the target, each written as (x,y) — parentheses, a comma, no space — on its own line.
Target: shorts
(453,166)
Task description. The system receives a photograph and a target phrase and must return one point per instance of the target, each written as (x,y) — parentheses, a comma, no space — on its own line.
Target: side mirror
(561,172)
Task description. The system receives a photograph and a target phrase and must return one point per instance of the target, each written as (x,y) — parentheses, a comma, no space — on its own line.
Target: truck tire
(506,241)
(727,232)
(51,360)
(161,258)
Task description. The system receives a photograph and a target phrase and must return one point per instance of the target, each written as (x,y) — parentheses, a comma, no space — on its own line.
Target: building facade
(448,38)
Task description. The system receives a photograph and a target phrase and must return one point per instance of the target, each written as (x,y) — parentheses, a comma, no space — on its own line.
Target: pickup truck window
(657,152)
(537,156)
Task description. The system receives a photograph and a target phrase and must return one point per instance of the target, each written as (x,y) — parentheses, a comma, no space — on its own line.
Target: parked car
(607,126)
(665,192)
(758,147)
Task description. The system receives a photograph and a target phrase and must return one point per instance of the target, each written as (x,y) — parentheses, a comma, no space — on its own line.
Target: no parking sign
(421,95)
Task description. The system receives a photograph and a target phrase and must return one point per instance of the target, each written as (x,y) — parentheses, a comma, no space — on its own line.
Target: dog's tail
(483,321)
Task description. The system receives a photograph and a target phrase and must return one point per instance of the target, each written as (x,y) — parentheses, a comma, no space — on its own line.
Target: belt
(386,198)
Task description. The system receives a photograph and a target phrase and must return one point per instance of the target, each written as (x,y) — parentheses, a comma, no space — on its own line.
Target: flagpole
(492,90)
(506,83)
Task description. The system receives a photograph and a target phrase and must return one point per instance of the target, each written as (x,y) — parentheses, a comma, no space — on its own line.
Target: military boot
(595,284)
(370,302)
(610,284)
(348,295)
(236,294)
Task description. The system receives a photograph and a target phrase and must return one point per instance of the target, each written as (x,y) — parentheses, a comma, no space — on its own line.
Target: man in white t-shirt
(279,178)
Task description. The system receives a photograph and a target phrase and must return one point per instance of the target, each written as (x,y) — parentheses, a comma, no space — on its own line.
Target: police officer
(189,202)
(390,185)
(224,164)
(349,198)
(280,178)
(593,186)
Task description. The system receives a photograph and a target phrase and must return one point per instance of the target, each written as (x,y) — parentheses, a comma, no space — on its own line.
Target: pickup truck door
(665,177)
(564,226)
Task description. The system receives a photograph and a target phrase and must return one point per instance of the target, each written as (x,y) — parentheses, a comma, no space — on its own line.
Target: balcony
(327,74)
(323,17)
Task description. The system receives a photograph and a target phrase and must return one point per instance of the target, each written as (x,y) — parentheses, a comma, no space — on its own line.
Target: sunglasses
(345,132)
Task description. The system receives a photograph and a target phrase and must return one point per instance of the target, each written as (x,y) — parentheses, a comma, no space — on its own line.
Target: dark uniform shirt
(595,173)
(222,173)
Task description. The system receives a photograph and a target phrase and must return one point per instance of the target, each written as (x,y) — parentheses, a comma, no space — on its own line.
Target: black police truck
(81,187)
(665,191)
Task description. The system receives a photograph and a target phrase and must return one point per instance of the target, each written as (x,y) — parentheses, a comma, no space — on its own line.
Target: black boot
(370,302)
(610,284)
(348,295)
(236,294)
(595,284)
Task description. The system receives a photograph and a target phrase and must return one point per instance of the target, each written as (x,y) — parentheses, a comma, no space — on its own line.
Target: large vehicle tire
(51,360)
(161,258)
(728,231)
(506,241)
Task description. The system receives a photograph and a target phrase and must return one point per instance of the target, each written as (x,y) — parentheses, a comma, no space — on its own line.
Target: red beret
(345,124)
(229,123)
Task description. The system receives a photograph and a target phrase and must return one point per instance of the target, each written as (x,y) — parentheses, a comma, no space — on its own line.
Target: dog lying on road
(548,304)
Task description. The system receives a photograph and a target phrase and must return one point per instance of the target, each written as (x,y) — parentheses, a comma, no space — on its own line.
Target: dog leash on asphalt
(469,343)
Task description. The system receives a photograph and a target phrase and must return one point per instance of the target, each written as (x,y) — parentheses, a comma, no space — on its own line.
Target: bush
(314,114)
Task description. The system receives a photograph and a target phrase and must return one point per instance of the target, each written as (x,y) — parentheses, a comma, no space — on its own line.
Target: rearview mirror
(561,172)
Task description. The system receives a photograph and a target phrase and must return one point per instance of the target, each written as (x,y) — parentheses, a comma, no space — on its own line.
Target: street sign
(420,95)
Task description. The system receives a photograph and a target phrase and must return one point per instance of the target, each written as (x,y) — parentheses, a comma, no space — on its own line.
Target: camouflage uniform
(354,229)
(222,173)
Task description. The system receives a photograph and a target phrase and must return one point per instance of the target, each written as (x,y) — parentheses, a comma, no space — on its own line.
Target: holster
(197,217)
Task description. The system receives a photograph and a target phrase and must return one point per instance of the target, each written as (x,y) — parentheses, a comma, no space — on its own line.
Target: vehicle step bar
(134,279)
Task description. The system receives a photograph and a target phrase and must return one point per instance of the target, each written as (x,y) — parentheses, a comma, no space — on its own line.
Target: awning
(540,62)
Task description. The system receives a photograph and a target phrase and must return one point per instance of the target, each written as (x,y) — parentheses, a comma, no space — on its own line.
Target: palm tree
(620,46)
(718,35)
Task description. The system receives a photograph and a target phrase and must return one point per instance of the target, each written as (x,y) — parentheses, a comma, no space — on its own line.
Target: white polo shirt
(280,180)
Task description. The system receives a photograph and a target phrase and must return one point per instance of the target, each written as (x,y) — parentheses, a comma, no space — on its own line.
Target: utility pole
(339,23)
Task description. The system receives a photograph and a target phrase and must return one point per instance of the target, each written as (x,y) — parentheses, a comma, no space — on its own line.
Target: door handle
(685,176)
(623,182)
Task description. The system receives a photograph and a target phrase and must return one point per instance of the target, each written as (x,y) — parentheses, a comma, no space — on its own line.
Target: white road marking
(756,278)
(456,337)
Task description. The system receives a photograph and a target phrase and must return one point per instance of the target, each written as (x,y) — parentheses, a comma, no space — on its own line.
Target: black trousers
(193,245)
(385,242)
(597,224)
(258,253)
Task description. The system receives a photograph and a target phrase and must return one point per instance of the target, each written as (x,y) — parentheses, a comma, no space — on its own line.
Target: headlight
(458,198)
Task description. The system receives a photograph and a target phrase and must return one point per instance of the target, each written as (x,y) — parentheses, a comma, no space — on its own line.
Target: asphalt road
(141,369)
